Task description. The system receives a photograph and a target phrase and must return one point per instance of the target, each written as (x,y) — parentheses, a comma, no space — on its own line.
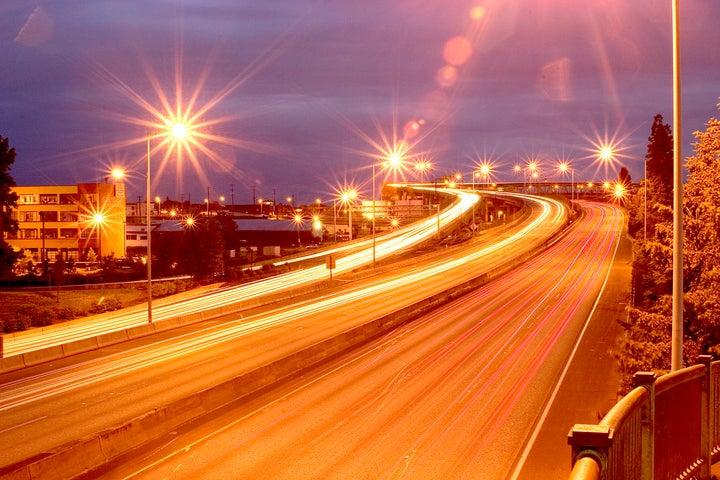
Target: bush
(67,313)
(106,305)
(17,324)
(34,315)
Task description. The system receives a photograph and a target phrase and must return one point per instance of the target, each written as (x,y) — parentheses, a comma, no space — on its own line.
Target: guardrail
(666,428)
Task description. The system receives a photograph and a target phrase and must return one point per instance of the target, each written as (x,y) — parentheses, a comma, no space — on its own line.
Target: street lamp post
(98,220)
(335,219)
(677,295)
(346,198)
(564,167)
(298,221)
(179,131)
(373,213)
(348,206)
(148,227)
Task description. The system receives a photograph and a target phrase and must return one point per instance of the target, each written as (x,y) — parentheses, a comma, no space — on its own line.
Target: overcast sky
(301,96)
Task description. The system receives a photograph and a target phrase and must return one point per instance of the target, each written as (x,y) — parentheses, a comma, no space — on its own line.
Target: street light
(297,218)
(347,196)
(564,167)
(98,219)
(421,168)
(485,170)
(178,130)
(677,291)
(532,167)
(394,161)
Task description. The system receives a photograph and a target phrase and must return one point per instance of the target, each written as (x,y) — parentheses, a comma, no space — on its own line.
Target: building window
(48,198)
(28,199)
(68,233)
(68,199)
(68,217)
(28,233)
(29,217)
(131,237)
(49,216)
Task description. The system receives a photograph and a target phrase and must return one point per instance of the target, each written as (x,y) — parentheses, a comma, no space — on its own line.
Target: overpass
(666,428)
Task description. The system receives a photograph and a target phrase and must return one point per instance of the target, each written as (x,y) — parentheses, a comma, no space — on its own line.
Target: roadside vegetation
(646,343)
(26,309)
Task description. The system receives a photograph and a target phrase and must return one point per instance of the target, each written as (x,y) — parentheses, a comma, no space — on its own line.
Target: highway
(44,408)
(351,256)
(454,394)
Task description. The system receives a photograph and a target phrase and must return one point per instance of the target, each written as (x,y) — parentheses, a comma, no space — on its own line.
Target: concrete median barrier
(79,346)
(43,355)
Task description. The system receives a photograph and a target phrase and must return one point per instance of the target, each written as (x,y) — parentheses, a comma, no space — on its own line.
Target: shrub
(106,305)
(34,315)
(17,323)
(67,313)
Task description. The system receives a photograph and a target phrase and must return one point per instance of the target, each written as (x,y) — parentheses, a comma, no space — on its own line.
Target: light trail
(242,327)
(453,394)
(386,245)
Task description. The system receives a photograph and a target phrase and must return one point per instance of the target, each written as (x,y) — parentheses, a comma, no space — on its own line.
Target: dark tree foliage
(624,177)
(646,342)
(8,199)
(702,241)
(203,250)
(229,231)
(167,256)
(653,200)
(659,162)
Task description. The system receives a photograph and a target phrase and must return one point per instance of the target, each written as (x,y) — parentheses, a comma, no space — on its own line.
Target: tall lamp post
(394,160)
(347,196)
(297,218)
(373,213)
(148,227)
(179,131)
(677,295)
(564,167)
(99,220)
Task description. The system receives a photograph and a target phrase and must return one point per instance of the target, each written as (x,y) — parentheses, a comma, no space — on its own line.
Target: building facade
(69,220)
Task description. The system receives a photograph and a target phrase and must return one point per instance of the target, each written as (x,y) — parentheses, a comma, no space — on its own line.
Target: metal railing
(666,428)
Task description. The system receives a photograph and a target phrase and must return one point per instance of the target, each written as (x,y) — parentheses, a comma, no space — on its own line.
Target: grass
(80,302)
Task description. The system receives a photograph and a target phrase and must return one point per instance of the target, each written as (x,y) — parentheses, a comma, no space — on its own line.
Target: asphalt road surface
(462,392)
(44,407)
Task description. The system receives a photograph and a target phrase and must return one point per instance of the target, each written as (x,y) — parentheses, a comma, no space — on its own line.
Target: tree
(646,342)
(659,162)
(651,202)
(8,200)
(624,177)
(203,249)
(702,241)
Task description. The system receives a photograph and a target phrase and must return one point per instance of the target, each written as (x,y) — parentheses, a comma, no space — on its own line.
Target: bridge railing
(666,428)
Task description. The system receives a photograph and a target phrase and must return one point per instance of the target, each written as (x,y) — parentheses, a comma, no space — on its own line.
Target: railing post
(647,381)
(706,416)
(591,441)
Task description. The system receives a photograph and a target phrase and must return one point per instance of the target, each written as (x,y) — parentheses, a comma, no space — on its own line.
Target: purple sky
(298,96)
